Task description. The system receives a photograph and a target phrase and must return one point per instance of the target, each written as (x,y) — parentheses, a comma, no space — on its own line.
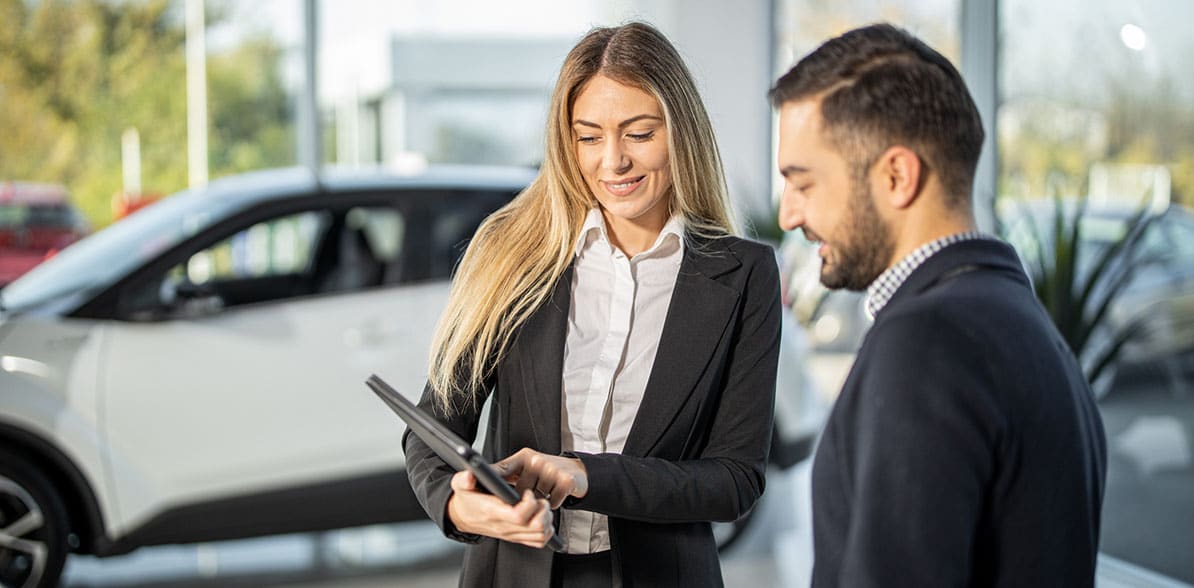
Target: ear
(897,176)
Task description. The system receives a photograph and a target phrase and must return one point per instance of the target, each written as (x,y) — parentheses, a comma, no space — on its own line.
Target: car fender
(49,389)
(42,427)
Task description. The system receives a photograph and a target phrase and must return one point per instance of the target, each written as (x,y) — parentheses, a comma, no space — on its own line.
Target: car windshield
(99,260)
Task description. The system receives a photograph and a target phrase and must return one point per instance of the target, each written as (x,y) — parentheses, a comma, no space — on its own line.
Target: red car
(36,221)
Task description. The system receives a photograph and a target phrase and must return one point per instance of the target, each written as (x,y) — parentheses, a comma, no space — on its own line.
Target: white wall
(728,47)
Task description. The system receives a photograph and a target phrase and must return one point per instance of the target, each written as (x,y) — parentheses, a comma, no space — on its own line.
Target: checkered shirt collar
(879,293)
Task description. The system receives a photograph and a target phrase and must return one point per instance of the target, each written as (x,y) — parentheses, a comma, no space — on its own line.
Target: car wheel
(33,526)
(727,534)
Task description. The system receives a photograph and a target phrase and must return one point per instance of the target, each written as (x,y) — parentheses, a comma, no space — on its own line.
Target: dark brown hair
(880,86)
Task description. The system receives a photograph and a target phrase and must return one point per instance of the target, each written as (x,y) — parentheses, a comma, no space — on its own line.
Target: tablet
(449,446)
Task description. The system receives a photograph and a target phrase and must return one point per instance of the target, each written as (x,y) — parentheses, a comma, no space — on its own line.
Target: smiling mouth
(623,188)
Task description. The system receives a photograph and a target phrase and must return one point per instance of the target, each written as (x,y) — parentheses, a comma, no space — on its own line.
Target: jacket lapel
(697,318)
(540,348)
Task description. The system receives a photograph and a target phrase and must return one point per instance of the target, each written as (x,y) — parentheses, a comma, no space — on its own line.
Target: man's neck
(926,228)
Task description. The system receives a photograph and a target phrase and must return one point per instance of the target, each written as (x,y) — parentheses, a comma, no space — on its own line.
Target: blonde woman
(626,340)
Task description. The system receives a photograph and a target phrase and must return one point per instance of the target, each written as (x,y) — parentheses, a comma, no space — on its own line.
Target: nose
(614,158)
(791,209)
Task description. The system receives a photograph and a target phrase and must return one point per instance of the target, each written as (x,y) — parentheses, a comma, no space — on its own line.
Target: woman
(629,342)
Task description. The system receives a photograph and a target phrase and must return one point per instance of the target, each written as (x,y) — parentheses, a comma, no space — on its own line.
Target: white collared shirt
(614,323)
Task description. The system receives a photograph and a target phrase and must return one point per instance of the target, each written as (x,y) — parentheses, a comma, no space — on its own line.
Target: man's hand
(550,476)
(529,522)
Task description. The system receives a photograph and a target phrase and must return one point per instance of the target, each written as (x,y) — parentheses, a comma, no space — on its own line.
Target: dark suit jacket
(965,448)
(698,447)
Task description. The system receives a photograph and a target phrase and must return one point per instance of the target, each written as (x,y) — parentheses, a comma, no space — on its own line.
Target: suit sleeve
(919,446)
(728,477)
(430,476)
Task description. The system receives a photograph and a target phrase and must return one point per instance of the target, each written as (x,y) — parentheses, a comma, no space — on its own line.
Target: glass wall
(94,97)
(802,25)
(411,83)
(1095,119)
(1097,106)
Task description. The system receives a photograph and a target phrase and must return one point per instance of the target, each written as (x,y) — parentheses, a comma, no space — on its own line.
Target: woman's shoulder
(746,250)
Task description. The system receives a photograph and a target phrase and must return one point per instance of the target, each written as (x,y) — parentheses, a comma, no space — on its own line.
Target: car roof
(32,193)
(265,185)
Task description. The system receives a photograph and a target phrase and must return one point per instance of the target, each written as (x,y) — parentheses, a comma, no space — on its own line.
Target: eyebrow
(788,170)
(623,124)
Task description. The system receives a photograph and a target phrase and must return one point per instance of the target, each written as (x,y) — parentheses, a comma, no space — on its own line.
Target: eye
(641,136)
(586,139)
(801,189)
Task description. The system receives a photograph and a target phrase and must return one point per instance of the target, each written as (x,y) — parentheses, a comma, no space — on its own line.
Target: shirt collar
(879,293)
(594,228)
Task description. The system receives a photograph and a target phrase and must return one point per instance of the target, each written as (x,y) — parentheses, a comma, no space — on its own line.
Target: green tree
(75,74)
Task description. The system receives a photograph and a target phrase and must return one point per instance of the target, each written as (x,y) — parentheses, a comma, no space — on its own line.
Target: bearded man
(965,448)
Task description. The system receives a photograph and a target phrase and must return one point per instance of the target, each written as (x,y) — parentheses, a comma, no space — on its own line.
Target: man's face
(834,209)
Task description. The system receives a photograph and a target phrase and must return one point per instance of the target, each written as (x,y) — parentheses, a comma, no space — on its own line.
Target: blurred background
(109,106)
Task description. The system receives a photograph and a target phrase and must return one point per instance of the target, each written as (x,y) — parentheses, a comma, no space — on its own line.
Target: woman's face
(622,146)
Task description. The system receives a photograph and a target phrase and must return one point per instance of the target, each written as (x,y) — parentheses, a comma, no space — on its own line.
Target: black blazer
(966,448)
(698,446)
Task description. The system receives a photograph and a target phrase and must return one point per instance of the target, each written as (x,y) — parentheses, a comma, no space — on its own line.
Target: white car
(196,371)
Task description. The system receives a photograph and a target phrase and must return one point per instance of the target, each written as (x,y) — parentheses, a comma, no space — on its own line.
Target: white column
(980,68)
(130,159)
(196,55)
(308,131)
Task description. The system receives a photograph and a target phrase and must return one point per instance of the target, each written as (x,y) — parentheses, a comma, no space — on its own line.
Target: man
(965,448)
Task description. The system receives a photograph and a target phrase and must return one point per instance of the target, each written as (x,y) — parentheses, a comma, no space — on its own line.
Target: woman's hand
(529,522)
(550,476)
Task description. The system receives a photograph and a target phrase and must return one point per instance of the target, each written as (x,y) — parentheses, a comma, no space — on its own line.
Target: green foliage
(76,74)
(1076,280)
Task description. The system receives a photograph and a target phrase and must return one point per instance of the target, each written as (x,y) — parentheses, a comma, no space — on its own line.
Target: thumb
(464,481)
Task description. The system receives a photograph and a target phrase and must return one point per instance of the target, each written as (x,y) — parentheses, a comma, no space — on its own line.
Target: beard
(865,246)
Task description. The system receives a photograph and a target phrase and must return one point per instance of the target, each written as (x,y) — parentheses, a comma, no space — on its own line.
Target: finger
(560,493)
(537,532)
(536,539)
(512,465)
(527,480)
(525,510)
(463,481)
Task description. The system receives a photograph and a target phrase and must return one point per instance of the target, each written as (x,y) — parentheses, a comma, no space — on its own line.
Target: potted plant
(1077,277)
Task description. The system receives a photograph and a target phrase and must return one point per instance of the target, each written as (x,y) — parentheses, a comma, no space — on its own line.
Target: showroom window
(1096,104)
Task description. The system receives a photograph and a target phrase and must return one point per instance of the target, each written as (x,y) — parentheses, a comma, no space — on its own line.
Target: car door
(252,380)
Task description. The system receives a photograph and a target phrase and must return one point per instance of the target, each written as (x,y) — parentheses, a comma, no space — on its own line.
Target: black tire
(34,527)
(727,534)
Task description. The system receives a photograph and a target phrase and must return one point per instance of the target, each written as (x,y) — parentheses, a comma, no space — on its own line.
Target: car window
(277,247)
(301,254)
(38,215)
(382,230)
(1171,238)
(363,248)
(454,217)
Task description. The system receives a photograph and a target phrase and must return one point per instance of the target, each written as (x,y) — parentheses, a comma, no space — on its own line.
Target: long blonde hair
(519,253)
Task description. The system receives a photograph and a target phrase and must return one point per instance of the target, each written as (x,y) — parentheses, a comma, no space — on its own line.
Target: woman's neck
(633,236)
